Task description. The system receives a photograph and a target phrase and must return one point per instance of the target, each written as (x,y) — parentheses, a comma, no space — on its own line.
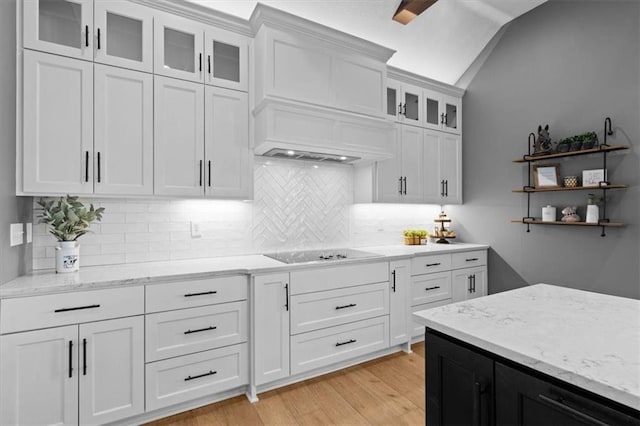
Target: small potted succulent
(564,145)
(414,236)
(67,220)
(576,143)
(590,139)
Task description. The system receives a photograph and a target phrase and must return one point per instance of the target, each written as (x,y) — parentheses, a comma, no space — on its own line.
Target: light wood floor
(386,391)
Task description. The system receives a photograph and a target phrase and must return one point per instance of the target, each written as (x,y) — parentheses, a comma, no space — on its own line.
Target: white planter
(67,256)
(593,213)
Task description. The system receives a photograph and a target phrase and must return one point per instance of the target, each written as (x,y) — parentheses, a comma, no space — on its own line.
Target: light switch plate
(29,230)
(16,234)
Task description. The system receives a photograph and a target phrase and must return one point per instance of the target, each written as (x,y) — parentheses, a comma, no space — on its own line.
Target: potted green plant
(564,145)
(576,143)
(590,139)
(67,220)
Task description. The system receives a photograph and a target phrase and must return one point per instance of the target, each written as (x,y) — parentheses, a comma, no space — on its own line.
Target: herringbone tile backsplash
(297,205)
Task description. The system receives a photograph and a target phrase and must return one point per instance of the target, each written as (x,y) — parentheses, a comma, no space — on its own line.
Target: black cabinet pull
(578,415)
(350,305)
(428,265)
(446,187)
(210,373)
(84,357)
(471,259)
(209,173)
(70,358)
(442,188)
(286,296)
(200,173)
(209,64)
(400,108)
(404,179)
(99,168)
(346,343)
(77,308)
(442,118)
(86,166)
(477,391)
(98,38)
(393,287)
(86,35)
(400,181)
(470,288)
(213,327)
(200,294)
(473,283)
(432,288)
(200,62)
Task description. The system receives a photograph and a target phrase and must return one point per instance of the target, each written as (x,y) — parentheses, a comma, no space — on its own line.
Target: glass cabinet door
(227,57)
(411,104)
(434,118)
(64,27)
(123,35)
(394,101)
(451,115)
(178,48)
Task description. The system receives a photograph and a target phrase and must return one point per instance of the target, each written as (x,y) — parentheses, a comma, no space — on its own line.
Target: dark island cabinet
(468,386)
(459,384)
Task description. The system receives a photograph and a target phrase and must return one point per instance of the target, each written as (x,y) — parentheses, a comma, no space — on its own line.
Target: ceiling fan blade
(409,9)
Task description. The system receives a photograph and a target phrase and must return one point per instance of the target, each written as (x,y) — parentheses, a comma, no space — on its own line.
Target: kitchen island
(542,353)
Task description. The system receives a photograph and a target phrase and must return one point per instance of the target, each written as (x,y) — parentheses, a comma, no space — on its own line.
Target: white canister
(549,214)
(593,213)
(67,256)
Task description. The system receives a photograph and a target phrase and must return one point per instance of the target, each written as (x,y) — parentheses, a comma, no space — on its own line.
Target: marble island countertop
(95,277)
(587,339)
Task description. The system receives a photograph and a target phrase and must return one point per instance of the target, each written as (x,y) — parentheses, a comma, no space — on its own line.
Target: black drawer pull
(76,309)
(433,264)
(350,305)
(70,358)
(578,415)
(473,259)
(346,343)
(432,288)
(213,327)
(84,357)
(204,293)
(210,373)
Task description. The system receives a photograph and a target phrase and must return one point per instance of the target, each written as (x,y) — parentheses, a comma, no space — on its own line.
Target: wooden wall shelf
(600,149)
(577,188)
(540,222)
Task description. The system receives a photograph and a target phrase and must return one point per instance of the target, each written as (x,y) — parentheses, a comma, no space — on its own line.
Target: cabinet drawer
(188,377)
(52,310)
(328,278)
(418,329)
(430,288)
(175,333)
(323,309)
(469,259)
(324,347)
(187,294)
(428,264)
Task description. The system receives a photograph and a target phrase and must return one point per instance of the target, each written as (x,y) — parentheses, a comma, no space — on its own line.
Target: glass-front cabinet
(227,59)
(179,45)
(394,105)
(441,111)
(64,27)
(124,35)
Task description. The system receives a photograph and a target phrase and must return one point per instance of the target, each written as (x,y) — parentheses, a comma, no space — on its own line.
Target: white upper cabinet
(123,140)
(442,112)
(443,177)
(227,59)
(179,47)
(123,35)
(57,116)
(227,152)
(179,137)
(64,27)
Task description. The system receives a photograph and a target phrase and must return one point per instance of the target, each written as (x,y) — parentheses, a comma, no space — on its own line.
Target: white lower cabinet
(270,327)
(181,379)
(86,374)
(469,283)
(399,302)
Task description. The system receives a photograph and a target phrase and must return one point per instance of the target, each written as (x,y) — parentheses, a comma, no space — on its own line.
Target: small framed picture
(546,176)
(593,177)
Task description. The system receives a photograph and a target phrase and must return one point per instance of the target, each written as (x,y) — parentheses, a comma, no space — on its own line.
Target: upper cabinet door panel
(433,114)
(227,59)
(359,86)
(123,137)
(179,45)
(57,124)
(124,35)
(394,100)
(452,114)
(64,27)
(411,105)
(228,165)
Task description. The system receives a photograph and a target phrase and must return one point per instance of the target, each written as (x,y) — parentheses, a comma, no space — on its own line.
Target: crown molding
(419,80)
(275,18)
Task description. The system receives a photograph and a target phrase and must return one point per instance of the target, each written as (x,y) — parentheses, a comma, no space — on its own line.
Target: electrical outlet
(195,230)
(29,228)
(16,234)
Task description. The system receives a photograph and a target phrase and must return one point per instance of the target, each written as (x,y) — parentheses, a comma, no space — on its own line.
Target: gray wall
(569,64)
(14,261)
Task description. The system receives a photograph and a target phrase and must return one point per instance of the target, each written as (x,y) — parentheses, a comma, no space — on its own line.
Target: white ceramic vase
(593,213)
(67,256)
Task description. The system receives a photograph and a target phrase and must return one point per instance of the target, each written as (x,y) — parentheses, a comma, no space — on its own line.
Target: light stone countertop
(96,277)
(590,340)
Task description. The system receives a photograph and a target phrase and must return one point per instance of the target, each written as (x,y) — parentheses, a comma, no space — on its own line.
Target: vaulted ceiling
(441,43)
